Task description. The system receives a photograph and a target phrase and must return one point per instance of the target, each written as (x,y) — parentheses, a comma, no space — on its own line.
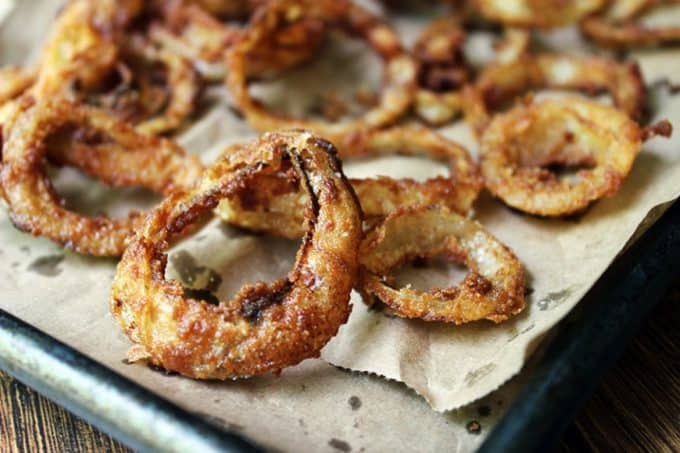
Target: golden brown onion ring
(264,327)
(399,74)
(119,156)
(192,32)
(623,81)
(275,204)
(519,146)
(617,26)
(536,13)
(442,70)
(493,289)
(88,43)
(439,107)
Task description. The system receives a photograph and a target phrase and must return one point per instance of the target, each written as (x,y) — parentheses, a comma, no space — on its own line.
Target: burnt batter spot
(484,411)
(551,300)
(473,427)
(47,266)
(259,297)
(354,402)
(340,445)
(193,275)
(528,291)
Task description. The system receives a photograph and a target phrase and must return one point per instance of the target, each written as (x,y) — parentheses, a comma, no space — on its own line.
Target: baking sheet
(316,406)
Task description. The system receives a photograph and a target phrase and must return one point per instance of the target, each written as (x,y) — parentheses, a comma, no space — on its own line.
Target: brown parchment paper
(315,406)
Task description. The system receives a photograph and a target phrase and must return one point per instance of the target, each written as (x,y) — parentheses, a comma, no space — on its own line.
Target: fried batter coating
(617,27)
(112,151)
(493,289)
(264,327)
(399,73)
(519,147)
(275,204)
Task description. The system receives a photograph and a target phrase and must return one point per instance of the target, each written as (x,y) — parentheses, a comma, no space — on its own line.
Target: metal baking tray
(584,346)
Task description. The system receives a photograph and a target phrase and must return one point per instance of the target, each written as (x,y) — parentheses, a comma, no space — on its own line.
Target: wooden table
(636,408)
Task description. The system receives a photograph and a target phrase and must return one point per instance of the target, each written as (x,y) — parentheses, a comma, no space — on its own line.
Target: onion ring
(439,50)
(399,74)
(439,107)
(591,74)
(195,34)
(536,13)
(265,327)
(519,145)
(616,27)
(493,289)
(86,46)
(133,159)
(275,204)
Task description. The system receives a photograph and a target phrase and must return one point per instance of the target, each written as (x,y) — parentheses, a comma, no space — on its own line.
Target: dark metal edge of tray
(588,341)
(111,402)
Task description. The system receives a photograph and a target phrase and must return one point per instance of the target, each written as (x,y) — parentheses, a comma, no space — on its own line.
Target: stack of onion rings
(265,327)
(275,204)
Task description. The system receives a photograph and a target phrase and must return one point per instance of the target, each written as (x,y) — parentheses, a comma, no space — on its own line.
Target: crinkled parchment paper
(314,405)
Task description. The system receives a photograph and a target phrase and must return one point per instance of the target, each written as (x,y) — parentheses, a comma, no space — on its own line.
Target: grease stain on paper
(340,445)
(194,275)
(354,402)
(476,375)
(553,299)
(47,266)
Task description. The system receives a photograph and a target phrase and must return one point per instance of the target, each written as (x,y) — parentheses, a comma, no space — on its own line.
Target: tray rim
(164,426)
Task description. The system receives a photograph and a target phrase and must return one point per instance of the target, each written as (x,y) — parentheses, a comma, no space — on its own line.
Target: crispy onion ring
(437,107)
(121,156)
(616,27)
(536,13)
(88,44)
(493,289)
(265,327)
(399,74)
(501,82)
(519,146)
(195,34)
(439,50)
(275,204)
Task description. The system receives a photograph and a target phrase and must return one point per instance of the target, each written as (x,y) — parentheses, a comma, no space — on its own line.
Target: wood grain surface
(635,409)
